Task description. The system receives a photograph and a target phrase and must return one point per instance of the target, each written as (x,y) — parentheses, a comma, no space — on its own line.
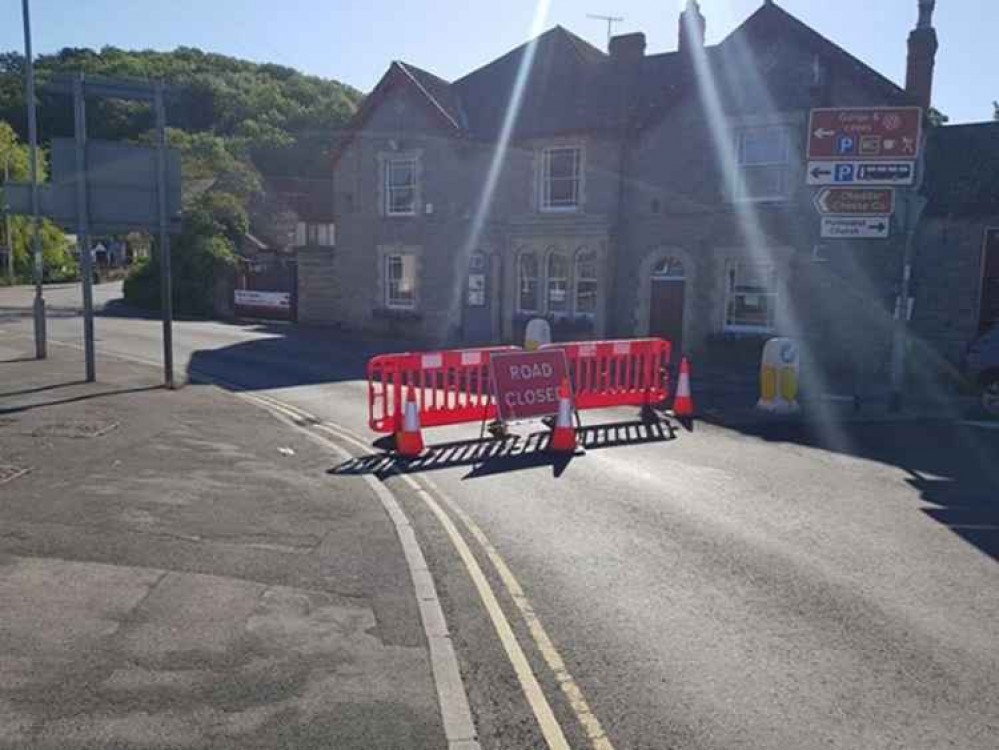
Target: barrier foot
(498,430)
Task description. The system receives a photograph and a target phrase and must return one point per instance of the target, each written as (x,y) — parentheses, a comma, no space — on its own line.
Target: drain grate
(9,473)
(76,429)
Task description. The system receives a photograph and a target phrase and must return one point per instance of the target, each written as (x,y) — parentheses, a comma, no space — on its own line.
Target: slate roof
(561,92)
(574,87)
(440,92)
(962,170)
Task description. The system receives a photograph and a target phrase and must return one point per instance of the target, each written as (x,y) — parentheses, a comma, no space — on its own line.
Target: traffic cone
(683,404)
(409,441)
(563,435)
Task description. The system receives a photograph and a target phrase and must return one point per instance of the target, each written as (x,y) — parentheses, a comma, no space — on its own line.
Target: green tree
(57,254)
(201,256)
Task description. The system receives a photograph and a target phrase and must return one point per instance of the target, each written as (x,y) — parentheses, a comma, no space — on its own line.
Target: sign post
(101,187)
(854,148)
(526,385)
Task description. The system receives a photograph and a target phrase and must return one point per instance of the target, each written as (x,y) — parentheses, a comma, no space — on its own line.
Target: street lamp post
(36,239)
(8,237)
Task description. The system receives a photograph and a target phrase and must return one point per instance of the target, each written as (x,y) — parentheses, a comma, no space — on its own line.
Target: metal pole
(83,224)
(914,205)
(7,233)
(166,293)
(39,307)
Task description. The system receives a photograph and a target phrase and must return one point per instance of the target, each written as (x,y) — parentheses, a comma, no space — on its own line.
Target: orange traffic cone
(683,404)
(563,435)
(409,441)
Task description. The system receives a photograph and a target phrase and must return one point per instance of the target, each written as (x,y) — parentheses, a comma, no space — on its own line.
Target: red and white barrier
(455,387)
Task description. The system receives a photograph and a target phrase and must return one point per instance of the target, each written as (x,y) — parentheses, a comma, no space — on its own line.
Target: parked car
(983,369)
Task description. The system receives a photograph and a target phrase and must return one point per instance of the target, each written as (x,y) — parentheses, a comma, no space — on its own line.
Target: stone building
(626,194)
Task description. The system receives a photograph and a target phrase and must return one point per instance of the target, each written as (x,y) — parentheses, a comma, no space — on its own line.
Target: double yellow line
(550,727)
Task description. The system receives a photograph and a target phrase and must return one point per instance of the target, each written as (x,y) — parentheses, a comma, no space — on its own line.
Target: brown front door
(666,311)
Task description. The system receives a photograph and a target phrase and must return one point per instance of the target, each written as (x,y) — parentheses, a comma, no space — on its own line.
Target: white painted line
(584,714)
(550,728)
(456,714)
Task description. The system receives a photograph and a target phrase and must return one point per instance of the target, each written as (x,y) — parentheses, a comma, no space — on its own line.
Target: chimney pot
(923,47)
(692,27)
(627,47)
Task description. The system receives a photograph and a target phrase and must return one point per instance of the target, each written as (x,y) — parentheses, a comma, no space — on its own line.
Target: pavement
(777,585)
(175,571)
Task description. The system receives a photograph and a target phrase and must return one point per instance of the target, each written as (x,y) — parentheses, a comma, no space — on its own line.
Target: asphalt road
(770,587)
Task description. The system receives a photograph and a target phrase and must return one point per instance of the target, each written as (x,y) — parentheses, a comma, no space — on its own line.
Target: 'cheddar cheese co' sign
(526,385)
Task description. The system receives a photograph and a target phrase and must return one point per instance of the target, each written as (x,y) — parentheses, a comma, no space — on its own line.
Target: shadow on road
(286,356)
(41,388)
(20,408)
(515,453)
(954,467)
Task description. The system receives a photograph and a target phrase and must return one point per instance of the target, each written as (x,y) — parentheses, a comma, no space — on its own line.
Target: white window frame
(565,281)
(397,303)
(538,276)
(546,179)
(585,256)
(731,294)
(739,187)
(389,163)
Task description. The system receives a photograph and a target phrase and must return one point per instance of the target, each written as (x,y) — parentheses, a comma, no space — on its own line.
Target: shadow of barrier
(487,457)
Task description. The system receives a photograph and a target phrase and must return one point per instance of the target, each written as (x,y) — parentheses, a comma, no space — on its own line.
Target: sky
(355,40)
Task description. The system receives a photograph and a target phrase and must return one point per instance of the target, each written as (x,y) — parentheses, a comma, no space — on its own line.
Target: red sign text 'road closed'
(526,385)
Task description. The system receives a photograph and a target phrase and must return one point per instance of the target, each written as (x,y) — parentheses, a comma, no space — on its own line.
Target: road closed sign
(526,384)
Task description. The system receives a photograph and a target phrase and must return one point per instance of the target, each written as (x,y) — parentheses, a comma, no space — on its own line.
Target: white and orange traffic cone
(563,435)
(683,404)
(409,441)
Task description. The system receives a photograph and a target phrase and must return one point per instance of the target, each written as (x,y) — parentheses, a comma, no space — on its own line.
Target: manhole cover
(76,429)
(9,473)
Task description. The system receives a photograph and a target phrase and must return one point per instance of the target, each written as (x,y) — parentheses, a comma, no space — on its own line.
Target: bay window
(586,283)
(751,297)
(528,283)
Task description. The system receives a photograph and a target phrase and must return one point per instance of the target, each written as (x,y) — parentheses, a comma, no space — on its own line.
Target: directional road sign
(121,188)
(848,173)
(856,228)
(855,201)
(864,134)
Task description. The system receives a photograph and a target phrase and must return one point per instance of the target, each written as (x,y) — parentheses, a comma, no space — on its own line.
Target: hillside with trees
(236,123)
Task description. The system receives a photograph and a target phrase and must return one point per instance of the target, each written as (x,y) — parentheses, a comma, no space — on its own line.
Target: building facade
(624,194)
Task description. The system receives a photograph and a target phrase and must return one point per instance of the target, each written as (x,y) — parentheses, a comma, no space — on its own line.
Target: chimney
(922,56)
(627,47)
(692,25)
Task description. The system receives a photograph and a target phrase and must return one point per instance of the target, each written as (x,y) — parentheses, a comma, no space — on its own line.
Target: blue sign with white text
(844,173)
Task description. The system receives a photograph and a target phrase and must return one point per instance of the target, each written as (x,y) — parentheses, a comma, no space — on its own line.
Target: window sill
(747,331)
(560,210)
(397,313)
(762,199)
(410,215)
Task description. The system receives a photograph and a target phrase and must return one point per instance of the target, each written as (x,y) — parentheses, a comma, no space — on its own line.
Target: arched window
(558,283)
(669,269)
(586,282)
(527,271)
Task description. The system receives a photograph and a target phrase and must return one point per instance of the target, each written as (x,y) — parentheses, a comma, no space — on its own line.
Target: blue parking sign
(846,145)
(844,173)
